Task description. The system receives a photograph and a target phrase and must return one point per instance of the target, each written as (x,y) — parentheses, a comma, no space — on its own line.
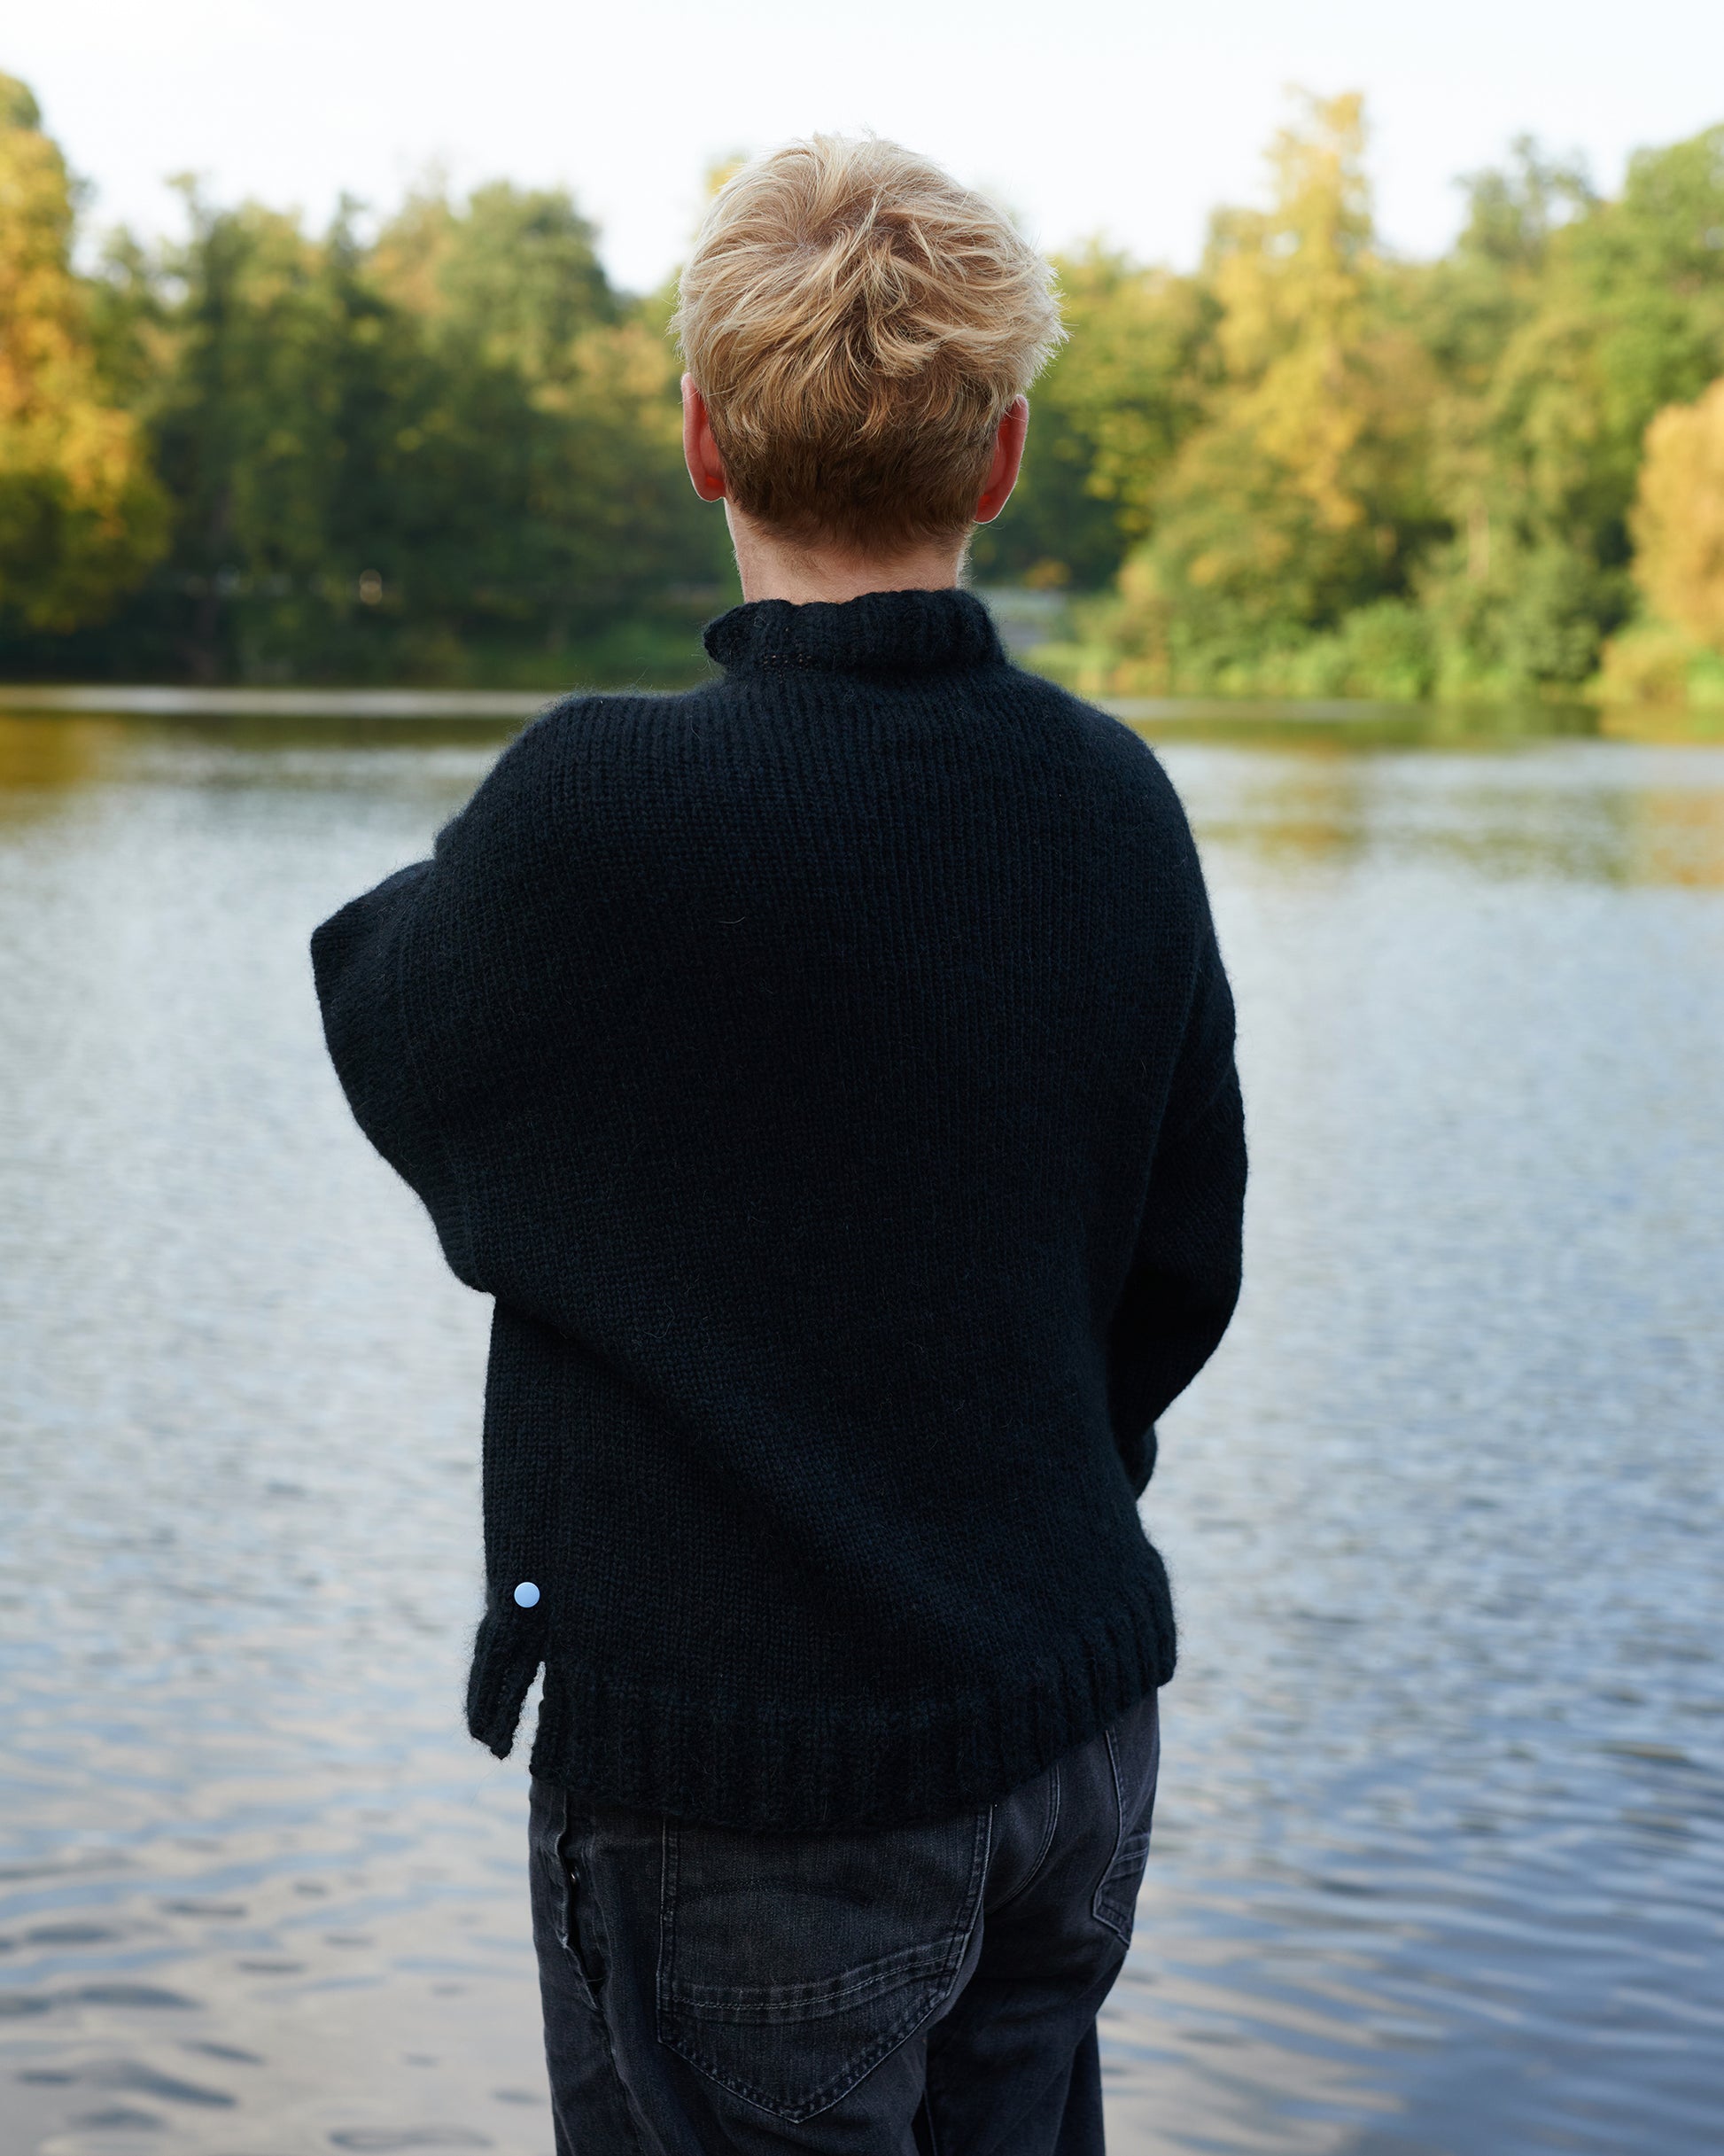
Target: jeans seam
(626,2099)
(665,1986)
(978,1886)
(560,1857)
(1055,1800)
(568,1891)
(1121,1840)
(979,1894)
(801,2002)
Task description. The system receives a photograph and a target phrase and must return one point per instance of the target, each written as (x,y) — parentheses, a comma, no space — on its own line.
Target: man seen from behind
(829,1073)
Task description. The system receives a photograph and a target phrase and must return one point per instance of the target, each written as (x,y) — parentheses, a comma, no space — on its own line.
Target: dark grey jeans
(914,1991)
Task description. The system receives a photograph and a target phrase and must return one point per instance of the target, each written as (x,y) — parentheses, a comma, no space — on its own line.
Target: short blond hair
(858,323)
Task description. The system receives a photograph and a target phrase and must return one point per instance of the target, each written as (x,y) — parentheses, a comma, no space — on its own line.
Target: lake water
(1438,1864)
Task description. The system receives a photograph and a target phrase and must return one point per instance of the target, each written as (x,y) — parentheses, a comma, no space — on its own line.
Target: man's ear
(700,452)
(1008,461)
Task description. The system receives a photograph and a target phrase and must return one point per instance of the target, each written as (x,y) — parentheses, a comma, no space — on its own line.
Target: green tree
(1617,310)
(284,384)
(1107,420)
(565,392)
(453,452)
(514,272)
(81,514)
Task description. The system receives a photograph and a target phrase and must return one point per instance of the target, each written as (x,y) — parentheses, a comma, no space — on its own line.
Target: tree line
(1311,467)
(445,447)
(447,451)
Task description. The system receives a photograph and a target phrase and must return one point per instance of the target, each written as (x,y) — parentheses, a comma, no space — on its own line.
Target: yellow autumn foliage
(1678,520)
(80,517)
(1293,290)
(1285,507)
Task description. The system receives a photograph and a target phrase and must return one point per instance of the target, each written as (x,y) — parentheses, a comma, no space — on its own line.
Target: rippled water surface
(1440,1859)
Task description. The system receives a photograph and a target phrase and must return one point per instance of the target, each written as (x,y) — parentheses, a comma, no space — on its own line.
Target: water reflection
(1440,1865)
(1591,811)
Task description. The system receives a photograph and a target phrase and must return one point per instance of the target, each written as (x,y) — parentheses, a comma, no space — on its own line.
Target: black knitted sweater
(830,1072)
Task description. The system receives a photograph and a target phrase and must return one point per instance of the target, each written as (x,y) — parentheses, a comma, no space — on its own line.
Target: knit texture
(830,1072)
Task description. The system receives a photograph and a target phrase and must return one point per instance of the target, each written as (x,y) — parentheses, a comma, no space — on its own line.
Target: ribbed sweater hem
(843,1764)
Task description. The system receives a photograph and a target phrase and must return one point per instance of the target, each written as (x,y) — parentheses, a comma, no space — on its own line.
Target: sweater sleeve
(357,957)
(1185,1270)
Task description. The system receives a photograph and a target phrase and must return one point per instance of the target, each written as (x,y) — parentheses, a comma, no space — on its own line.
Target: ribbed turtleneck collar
(883,632)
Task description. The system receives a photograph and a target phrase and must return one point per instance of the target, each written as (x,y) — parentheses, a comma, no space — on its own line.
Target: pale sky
(1084,115)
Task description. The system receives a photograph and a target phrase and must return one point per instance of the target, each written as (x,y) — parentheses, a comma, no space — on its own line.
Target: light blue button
(526,1594)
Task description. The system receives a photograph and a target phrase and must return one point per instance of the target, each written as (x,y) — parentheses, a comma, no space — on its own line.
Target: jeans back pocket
(791,1964)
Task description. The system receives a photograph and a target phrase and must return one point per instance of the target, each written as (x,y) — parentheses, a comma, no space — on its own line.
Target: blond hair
(858,323)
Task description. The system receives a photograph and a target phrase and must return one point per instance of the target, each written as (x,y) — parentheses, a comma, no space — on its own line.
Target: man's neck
(771,568)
